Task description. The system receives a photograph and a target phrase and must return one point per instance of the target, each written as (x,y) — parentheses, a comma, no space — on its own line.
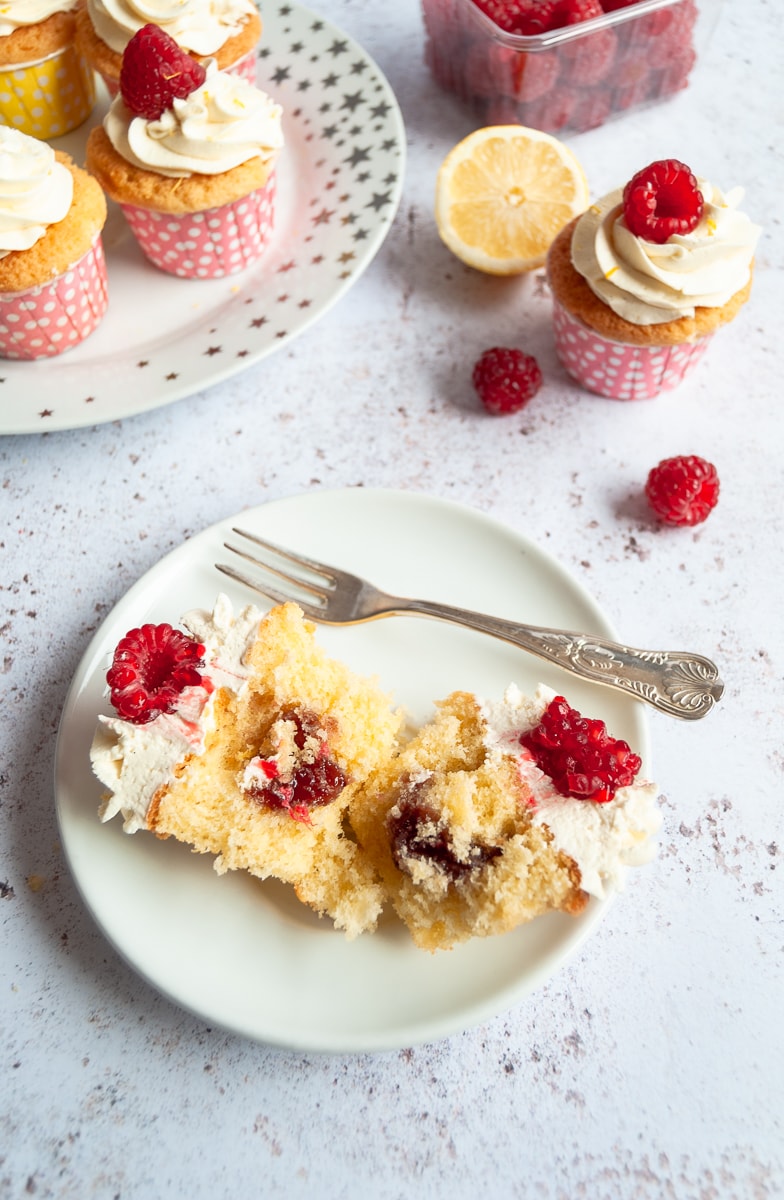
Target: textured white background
(652,1065)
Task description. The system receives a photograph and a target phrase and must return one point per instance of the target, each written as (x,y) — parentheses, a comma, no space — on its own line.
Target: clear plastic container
(569,79)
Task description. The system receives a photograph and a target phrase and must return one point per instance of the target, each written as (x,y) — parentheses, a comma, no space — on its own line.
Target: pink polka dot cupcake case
(620,371)
(51,318)
(209,244)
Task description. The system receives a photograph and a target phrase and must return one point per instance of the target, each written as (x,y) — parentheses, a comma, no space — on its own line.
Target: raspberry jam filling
(315,779)
(150,669)
(579,755)
(418,831)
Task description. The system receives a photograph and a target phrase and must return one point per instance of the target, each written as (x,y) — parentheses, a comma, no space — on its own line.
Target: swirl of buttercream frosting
(225,122)
(35,190)
(199,26)
(19,14)
(648,283)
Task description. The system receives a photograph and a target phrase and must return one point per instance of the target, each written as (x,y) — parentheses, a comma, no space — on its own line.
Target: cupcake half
(226,30)
(196,178)
(46,89)
(642,280)
(52,273)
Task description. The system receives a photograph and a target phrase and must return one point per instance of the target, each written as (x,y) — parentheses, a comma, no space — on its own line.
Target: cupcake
(52,272)
(641,281)
(226,30)
(45,87)
(188,152)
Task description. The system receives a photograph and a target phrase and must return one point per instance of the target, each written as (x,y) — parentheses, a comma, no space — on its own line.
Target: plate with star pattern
(340,178)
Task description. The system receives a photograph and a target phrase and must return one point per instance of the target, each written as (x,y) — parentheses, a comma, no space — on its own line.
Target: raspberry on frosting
(155,72)
(662,199)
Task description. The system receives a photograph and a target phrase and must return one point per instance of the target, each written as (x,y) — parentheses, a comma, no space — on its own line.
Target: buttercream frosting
(36,190)
(199,26)
(136,761)
(225,122)
(604,840)
(649,284)
(19,14)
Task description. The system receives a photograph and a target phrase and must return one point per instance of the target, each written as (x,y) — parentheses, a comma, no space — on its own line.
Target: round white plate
(340,177)
(246,955)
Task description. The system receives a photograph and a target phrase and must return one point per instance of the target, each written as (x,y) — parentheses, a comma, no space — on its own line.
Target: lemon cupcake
(52,273)
(188,152)
(46,89)
(226,30)
(642,280)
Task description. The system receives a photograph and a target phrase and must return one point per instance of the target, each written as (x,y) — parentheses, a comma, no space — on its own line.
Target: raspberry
(506,380)
(591,110)
(538,18)
(574,12)
(683,490)
(151,667)
(661,200)
(675,75)
(537,75)
(579,755)
(506,14)
(155,72)
(612,5)
(590,58)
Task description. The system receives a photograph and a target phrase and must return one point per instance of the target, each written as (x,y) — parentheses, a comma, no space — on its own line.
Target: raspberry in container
(564,65)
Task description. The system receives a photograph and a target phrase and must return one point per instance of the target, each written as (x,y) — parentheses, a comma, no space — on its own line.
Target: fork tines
(298,583)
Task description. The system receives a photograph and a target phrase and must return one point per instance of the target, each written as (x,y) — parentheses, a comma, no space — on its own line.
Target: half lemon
(503,194)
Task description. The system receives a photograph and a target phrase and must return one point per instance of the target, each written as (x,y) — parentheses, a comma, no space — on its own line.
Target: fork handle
(675,682)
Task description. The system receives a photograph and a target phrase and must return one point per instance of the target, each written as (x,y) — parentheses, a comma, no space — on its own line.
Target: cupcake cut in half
(226,30)
(53,288)
(246,741)
(189,153)
(473,837)
(642,280)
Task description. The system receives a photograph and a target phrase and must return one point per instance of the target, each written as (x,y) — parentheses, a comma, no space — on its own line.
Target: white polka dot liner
(338,186)
(617,371)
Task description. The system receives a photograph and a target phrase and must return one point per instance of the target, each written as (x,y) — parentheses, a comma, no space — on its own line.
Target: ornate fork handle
(678,683)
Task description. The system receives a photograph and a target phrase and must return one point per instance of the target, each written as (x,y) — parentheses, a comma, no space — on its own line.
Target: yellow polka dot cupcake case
(46,89)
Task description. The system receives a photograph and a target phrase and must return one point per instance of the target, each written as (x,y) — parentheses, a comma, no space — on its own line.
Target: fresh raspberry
(538,18)
(151,667)
(155,72)
(592,109)
(574,12)
(675,76)
(579,755)
(506,380)
(661,200)
(683,490)
(537,74)
(489,69)
(507,14)
(612,5)
(589,58)
(554,111)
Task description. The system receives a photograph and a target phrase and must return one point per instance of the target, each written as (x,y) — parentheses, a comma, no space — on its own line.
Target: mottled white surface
(652,1065)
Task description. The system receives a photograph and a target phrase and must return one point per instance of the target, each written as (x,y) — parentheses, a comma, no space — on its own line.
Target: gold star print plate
(339,182)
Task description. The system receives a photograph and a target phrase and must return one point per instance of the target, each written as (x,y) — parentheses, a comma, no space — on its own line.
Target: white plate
(339,183)
(245,955)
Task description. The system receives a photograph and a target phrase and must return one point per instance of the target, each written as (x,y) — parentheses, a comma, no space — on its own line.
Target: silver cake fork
(675,682)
